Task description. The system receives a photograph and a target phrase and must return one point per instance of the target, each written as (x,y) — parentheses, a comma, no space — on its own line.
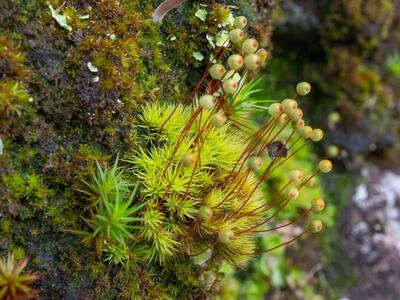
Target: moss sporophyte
(199,169)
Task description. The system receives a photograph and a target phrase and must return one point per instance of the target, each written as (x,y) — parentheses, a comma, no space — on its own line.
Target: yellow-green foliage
(170,227)
(13,96)
(14,284)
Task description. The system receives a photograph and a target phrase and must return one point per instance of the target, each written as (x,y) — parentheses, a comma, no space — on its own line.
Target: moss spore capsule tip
(254,163)
(325,166)
(303,88)
(225,236)
(189,160)
(205,213)
(249,46)
(318,204)
(217,71)
(275,110)
(207,101)
(316,226)
(289,105)
(292,193)
(235,62)
(252,61)
(229,86)
(317,135)
(296,176)
(236,35)
(262,54)
(240,22)
(218,119)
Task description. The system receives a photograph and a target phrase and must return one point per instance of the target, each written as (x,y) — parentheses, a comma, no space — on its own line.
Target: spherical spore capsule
(262,54)
(252,61)
(225,236)
(310,182)
(334,117)
(296,176)
(283,119)
(235,62)
(289,105)
(229,86)
(254,163)
(317,135)
(292,193)
(240,22)
(217,71)
(218,119)
(205,213)
(303,88)
(316,226)
(305,131)
(275,110)
(236,35)
(189,160)
(249,46)
(325,166)
(207,101)
(332,151)
(318,204)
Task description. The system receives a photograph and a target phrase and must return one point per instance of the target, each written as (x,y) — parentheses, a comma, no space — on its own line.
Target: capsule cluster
(250,58)
(205,178)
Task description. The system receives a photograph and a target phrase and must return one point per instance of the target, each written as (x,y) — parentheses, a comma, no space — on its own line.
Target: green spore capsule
(325,166)
(226,236)
(207,101)
(262,54)
(305,131)
(317,135)
(254,163)
(240,22)
(318,204)
(275,110)
(296,176)
(310,182)
(316,226)
(235,62)
(236,35)
(297,125)
(250,46)
(332,151)
(229,86)
(334,117)
(289,105)
(283,119)
(292,193)
(189,160)
(218,119)
(217,71)
(294,115)
(252,61)
(205,213)
(303,88)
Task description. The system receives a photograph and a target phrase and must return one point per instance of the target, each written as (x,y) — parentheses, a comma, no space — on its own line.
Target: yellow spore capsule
(249,46)
(235,62)
(236,35)
(226,236)
(317,135)
(189,160)
(240,22)
(303,88)
(252,61)
(325,166)
(217,71)
(318,204)
(218,119)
